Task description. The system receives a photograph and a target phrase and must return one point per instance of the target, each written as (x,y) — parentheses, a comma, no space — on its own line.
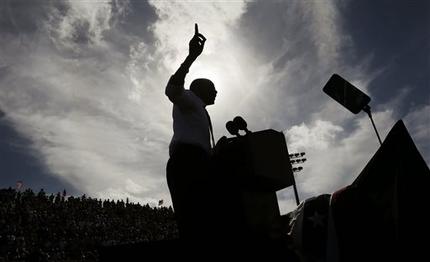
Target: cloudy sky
(82,103)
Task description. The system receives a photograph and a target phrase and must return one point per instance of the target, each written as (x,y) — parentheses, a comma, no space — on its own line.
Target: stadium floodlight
(349,96)
(296,155)
(297,169)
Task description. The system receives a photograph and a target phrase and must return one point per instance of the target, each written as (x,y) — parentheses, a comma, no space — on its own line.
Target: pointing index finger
(196,29)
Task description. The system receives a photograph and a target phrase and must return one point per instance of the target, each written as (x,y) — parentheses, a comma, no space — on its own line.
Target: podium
(253,167)
(258,160)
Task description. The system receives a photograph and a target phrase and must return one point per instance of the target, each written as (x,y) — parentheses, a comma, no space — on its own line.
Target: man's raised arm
(175,86)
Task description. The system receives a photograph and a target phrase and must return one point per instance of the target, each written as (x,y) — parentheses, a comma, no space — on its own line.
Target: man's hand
(196,43)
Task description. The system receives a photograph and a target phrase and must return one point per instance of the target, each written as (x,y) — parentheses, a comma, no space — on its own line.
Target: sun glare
(203,72)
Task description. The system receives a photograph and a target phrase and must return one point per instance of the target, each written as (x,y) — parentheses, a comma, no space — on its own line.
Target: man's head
(205,89)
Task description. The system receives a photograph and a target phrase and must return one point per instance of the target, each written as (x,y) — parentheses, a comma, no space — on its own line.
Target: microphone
(241,124)
(232,128)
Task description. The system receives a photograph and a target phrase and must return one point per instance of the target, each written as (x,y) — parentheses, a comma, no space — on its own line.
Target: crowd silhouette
(41,227)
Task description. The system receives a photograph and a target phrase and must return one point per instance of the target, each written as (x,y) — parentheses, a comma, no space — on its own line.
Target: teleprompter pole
(367,110)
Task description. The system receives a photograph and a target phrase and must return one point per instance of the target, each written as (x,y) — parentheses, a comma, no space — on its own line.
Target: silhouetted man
(189,166)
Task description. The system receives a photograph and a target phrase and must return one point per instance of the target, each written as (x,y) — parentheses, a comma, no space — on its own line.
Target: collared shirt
(190,121)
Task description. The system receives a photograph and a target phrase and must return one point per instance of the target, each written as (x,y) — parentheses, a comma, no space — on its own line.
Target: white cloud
(324,29)
(319,136)
(84,21)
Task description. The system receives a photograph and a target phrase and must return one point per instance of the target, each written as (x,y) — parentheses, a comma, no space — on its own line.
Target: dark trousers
(189,180)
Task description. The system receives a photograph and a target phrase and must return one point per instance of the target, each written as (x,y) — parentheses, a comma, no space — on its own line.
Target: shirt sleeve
(179,96)
(175,88)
